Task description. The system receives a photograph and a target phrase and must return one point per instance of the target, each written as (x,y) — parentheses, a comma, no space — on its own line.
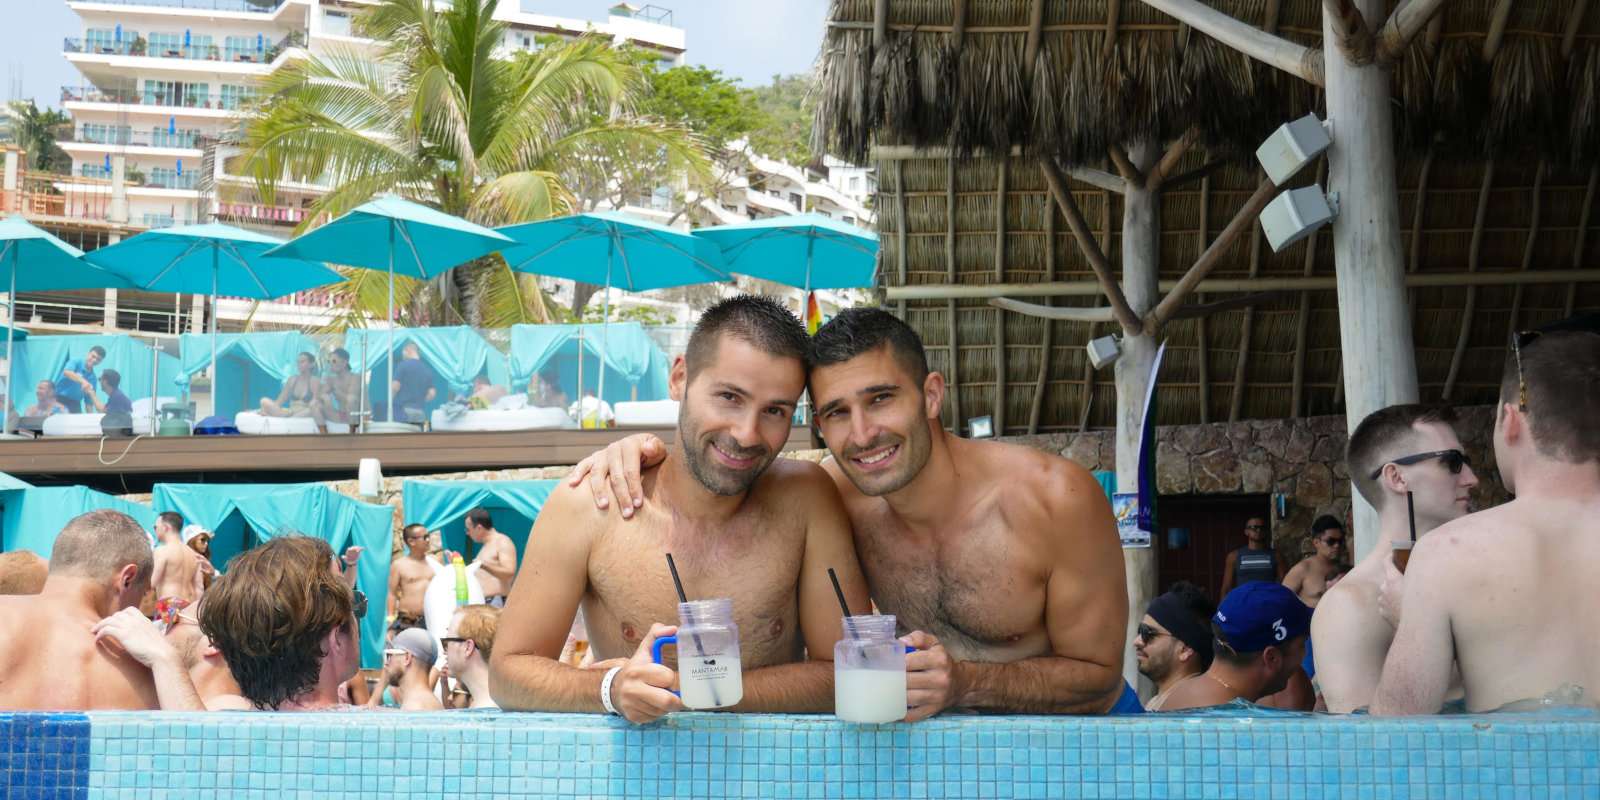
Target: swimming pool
(376,754)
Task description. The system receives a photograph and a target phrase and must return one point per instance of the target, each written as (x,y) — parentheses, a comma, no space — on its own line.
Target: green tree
(703,100)
(787,106)
(36,131)
(436,117)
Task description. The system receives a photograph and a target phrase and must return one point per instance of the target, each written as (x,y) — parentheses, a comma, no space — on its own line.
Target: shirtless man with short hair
(176,568)
(1395,450)
(1510,591)
(739,522)
(1309,578)
(79,645)
(409,577)
(1003,562)
(497,553)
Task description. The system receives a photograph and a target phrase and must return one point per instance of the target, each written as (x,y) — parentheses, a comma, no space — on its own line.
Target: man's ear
(933,395)
(1514,423)
(127,577)
(1185,652)
(1273,658)
(678,378)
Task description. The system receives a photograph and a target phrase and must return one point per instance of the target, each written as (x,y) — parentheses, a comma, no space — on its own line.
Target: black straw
(682,598)
(1411,510)
(843,606)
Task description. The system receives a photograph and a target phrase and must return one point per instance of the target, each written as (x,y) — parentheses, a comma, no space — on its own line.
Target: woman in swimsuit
(299,395)
(341,389)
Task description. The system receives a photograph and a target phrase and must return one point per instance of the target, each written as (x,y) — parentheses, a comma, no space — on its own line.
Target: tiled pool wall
(462,754)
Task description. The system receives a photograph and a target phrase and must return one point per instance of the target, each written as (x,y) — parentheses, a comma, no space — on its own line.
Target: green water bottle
(461,581)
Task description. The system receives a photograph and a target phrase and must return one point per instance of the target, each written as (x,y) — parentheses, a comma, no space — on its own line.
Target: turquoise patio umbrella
(212,259)
(33,261)
(401,237)
(613,249)
(806,251)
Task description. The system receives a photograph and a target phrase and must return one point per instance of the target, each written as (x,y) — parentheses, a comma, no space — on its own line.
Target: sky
(749,40)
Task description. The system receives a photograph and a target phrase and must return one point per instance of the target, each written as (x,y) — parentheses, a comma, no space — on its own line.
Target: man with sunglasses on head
(1510,592)
(1256,561)
(1309,578)
(1395,451)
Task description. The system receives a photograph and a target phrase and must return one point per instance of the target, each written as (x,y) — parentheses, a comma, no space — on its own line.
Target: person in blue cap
(1259,641)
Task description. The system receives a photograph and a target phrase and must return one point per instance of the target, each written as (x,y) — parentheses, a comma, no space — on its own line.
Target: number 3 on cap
(1278,631)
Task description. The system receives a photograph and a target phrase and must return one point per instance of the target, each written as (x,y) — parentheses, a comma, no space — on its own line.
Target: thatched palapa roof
(1498,133)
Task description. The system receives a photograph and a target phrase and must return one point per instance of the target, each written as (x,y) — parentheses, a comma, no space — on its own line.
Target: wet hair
(98,350)
(478,623)
(270,614)
(111,379)
(480,517)
(1325,523)
(22,572)
(758,321)
(862,330)
(1561,370)
(1382,436)
(99,544)
(173,519)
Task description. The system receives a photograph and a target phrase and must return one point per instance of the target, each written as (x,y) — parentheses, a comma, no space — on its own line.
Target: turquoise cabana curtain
(443,505)
(1107,481)
(636,366)
(456,353)
(250,366)
(43,357)
(245,515)
(32,517)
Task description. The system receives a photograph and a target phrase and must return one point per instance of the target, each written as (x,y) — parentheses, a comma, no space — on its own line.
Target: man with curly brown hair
(285,622)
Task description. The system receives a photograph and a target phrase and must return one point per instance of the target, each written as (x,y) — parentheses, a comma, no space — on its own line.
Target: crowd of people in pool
(1001,564)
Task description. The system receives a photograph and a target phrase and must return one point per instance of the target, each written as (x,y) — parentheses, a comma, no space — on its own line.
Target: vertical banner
(1136,516)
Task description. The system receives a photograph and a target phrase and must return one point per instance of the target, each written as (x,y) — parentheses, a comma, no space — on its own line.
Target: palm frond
(520,197)
(363,296)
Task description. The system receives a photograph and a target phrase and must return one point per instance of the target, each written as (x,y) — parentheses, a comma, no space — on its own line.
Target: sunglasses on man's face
(447,640)
(1334,541)
(1452,460)
(1150,634)
(1255,527)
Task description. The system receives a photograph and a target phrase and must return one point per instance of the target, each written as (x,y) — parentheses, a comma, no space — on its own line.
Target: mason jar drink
(709,673)
(869,671)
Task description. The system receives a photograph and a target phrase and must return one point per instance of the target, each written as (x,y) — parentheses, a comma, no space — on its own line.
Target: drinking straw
(682,598)
(1411,510)
(843,606)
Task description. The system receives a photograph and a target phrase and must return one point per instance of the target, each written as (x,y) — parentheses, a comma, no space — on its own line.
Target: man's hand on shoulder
(615,473)
(136,635)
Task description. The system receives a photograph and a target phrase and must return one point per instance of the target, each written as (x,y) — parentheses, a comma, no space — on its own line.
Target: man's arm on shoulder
(1086,607)
(1351,643)
(807,686)
(524,671)
(1416,673)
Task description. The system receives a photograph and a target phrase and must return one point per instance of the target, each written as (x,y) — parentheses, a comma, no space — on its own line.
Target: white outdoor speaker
(370,478)
(1292,146)
(1104,351)
(1293,215)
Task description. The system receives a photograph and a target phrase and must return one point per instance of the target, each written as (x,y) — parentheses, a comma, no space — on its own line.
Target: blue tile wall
(390,755)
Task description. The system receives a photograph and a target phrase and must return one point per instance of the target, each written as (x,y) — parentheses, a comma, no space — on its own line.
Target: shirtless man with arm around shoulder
(1510,591)
(1002,562)
(739,523)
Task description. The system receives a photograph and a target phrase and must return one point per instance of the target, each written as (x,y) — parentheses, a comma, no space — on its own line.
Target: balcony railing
(190,52)
(189,140)
(288,215)
(132,97)
(246,6)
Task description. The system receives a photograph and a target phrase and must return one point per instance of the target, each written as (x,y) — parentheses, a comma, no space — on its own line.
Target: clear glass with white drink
(869,671)
(709,670)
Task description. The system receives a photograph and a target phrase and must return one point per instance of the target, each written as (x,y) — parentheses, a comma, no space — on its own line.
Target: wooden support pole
(1569,38)
(1377,353)
(1125,168)
(1246,331)
(1169,160)
(1318,283)
(1354,37)
(1297,60)
(1419,207)
(1036,408)
(901,221)
(1030,49)
(1527,250)
(1089,383)
(1583,236)
(1403,25)
(1091,250)
(1203,241)
(1474,250)
(880,24)
(1113,22)
(1302,325)
(1198,173)
(954,391)
(1265,191)
(1101,314)
(1497,30)
(999,411)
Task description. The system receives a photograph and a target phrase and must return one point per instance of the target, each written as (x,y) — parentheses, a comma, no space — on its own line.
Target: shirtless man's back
(497,554)
(175,563)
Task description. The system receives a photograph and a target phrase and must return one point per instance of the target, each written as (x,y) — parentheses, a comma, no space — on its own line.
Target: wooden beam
(1246,330)
(1419,206)
(1098,178)
(1265,191)
(1497,30)
(950,275)
(1527,249)
(1318,283)
(1355,38)
(1269,18)
(1169,159)
(1303,323)
(1583,236)
(1404,24)
(1297,60)
(1030,50)
(1474,251)
(1125,168)
(1569,38)
(1036,408)
(1198,173)
(953,386)
(1091,250)
(1201,243)
(999,411)
(1113,21)
(1086,409)
(1100,314)
(900,225)
(880,24)
(958,22)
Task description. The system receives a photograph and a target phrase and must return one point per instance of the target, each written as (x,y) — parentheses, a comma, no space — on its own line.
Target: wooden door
(1215,526)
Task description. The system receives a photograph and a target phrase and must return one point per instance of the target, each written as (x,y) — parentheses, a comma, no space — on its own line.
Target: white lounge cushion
(86,425)
(654,413)
(258,424)
(496,419)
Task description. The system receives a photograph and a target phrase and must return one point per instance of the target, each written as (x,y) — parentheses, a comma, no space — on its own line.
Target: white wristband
(605,689)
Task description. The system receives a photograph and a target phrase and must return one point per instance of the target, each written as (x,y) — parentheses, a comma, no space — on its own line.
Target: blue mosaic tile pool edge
(44,756)
(1257,755)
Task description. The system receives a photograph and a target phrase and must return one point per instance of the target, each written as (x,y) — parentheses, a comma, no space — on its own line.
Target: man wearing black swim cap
(1174,640)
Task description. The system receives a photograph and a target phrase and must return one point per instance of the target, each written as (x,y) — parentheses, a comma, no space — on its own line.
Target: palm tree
(438,118)
(36,132)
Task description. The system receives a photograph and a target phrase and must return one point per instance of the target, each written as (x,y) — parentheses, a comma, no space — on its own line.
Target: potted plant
(136,48)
